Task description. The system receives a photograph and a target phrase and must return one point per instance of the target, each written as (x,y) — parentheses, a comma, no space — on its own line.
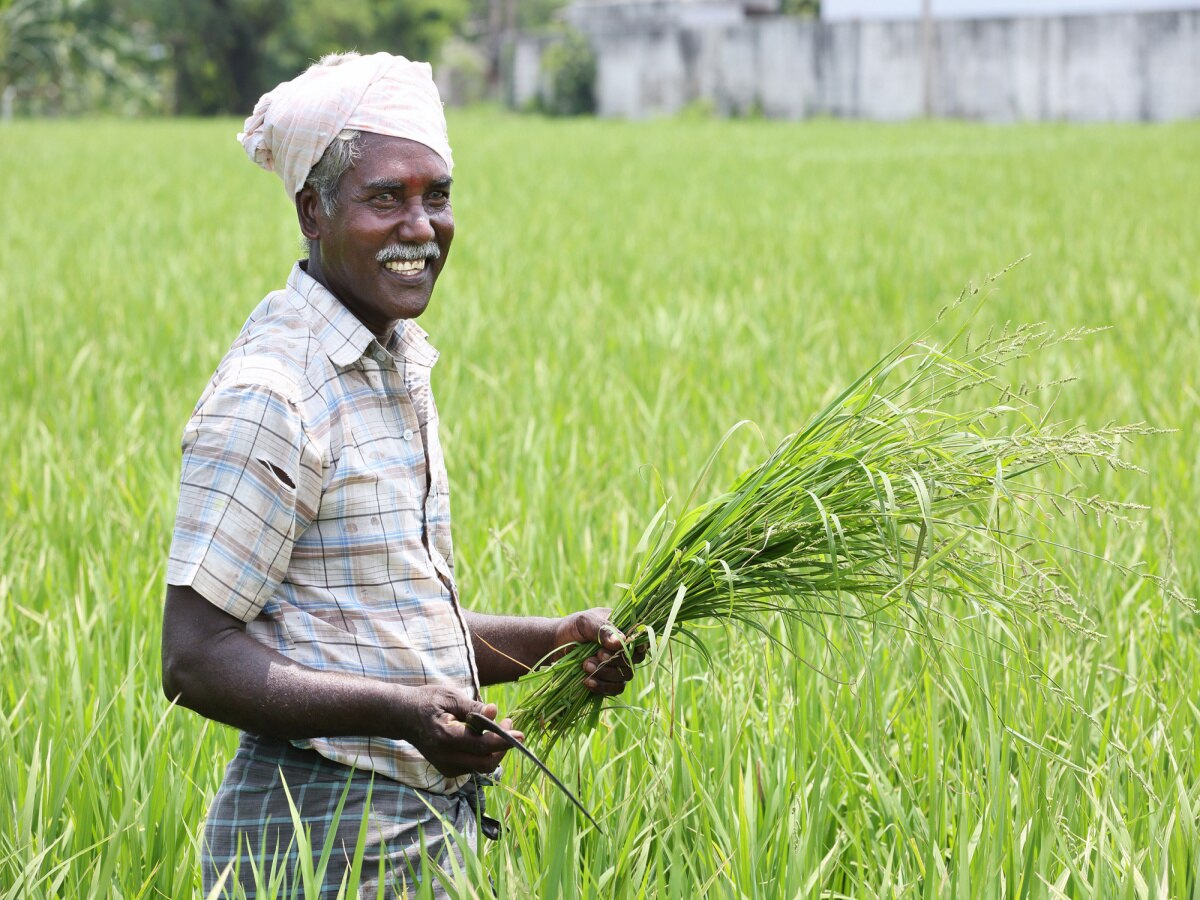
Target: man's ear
(309,212)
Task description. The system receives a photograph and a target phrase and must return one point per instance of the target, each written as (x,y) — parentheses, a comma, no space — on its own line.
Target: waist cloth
(250,824)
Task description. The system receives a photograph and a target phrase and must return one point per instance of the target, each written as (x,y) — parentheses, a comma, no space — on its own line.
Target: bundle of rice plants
(908,502)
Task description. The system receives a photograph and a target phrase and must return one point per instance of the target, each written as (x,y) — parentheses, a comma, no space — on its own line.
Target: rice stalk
(908,503)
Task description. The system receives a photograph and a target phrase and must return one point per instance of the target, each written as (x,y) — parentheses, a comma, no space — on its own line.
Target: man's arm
(507,647)
(211,665)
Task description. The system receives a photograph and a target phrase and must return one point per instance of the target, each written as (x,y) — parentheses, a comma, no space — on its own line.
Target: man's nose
(414,226)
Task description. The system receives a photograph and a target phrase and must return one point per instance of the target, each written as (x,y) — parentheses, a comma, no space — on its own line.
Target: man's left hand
(611,667)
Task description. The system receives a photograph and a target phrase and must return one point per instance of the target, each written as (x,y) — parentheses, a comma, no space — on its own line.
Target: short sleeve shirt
(314,505)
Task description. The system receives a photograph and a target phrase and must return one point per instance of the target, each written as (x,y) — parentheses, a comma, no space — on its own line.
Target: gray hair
(333,164)
(339,155)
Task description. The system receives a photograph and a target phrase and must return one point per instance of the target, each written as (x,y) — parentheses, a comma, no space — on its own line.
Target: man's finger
(609,636)
(615,672)
(483,746)
(465,763)
(612,669)
(604,688)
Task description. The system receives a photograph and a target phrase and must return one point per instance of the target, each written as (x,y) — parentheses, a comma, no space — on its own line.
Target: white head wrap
(293,125)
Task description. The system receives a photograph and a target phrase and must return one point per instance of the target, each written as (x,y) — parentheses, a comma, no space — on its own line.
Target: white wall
(1109,67)
(843,10)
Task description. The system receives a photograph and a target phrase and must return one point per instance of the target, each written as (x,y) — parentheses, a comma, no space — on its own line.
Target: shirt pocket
(370,528)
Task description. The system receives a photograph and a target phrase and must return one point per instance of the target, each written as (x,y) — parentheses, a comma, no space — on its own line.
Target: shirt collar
(342,336)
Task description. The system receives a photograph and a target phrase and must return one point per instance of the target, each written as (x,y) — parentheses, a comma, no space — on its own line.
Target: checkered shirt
(314,506)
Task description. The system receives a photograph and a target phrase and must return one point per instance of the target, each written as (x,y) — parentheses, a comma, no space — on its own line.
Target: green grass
(618,296)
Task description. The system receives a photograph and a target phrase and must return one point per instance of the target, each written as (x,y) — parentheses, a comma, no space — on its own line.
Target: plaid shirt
(314,506)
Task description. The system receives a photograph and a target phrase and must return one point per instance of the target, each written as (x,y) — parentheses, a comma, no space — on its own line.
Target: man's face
(384,245)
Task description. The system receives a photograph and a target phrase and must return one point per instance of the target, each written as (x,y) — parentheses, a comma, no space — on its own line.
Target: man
(311,599)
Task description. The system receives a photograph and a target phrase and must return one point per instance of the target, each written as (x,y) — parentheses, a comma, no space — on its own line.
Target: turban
(292,126)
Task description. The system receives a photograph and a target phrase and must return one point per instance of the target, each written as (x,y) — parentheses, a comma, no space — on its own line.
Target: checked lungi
(250,820)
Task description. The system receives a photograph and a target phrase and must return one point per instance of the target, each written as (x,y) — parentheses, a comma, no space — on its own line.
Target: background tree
(207,57)
(225,53)
(412,28)
(72,56)
(216,50)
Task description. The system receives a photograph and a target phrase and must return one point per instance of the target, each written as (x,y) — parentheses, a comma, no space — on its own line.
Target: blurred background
(988,60)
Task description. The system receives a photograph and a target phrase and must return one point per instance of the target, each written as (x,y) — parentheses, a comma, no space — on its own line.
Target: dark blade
(480,724)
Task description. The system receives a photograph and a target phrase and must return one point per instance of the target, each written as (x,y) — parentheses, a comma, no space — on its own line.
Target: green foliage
(618,295)
(412,28)
(807,8)
(569,70)
(200,57)
(217,51)
(535,14)
(226,53)
(72,56)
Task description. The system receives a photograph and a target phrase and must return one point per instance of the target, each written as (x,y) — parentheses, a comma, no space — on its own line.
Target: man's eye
(438,198)
(386,197)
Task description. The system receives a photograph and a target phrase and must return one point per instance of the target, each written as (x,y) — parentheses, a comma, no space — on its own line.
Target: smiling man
(311,599)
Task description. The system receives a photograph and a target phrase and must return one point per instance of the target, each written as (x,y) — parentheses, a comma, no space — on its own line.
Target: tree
(194,57)
(215,50)
(70,56)
(412,28)
(226,53)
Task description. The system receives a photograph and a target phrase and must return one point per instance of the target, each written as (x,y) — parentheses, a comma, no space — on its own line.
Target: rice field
(617,297)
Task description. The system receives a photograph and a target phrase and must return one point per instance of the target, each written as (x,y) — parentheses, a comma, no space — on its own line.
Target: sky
(833,10)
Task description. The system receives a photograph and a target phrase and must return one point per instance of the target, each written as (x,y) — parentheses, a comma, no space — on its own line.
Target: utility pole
(927,58)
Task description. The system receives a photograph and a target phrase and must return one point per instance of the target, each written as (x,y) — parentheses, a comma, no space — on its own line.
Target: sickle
(479,724)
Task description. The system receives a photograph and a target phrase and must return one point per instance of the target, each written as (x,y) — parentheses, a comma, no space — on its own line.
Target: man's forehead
(386,182)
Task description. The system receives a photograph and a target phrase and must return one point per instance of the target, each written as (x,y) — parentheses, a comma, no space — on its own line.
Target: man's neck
(312,268)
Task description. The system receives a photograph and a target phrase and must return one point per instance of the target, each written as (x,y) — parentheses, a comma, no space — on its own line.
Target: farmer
(311,599)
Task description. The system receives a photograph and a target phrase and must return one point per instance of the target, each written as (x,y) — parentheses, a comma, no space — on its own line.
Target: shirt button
(408,434)
(380,356)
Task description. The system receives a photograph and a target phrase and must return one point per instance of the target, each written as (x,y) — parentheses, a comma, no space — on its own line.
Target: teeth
(411,265)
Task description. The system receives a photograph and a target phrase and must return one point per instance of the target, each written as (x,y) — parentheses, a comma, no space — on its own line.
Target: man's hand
(608,671)
(434,723)
(507,647)
(211,665)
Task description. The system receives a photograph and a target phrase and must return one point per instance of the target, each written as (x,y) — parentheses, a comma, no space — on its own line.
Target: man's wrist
(397,712)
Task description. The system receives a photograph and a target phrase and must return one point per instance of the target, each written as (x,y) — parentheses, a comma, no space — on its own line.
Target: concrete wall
(1118,67)
(894,10)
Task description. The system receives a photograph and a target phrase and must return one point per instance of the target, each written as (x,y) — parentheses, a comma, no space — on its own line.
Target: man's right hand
(432,719)
(211,665)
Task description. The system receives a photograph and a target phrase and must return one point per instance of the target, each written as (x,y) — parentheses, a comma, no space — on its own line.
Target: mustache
(408,252)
